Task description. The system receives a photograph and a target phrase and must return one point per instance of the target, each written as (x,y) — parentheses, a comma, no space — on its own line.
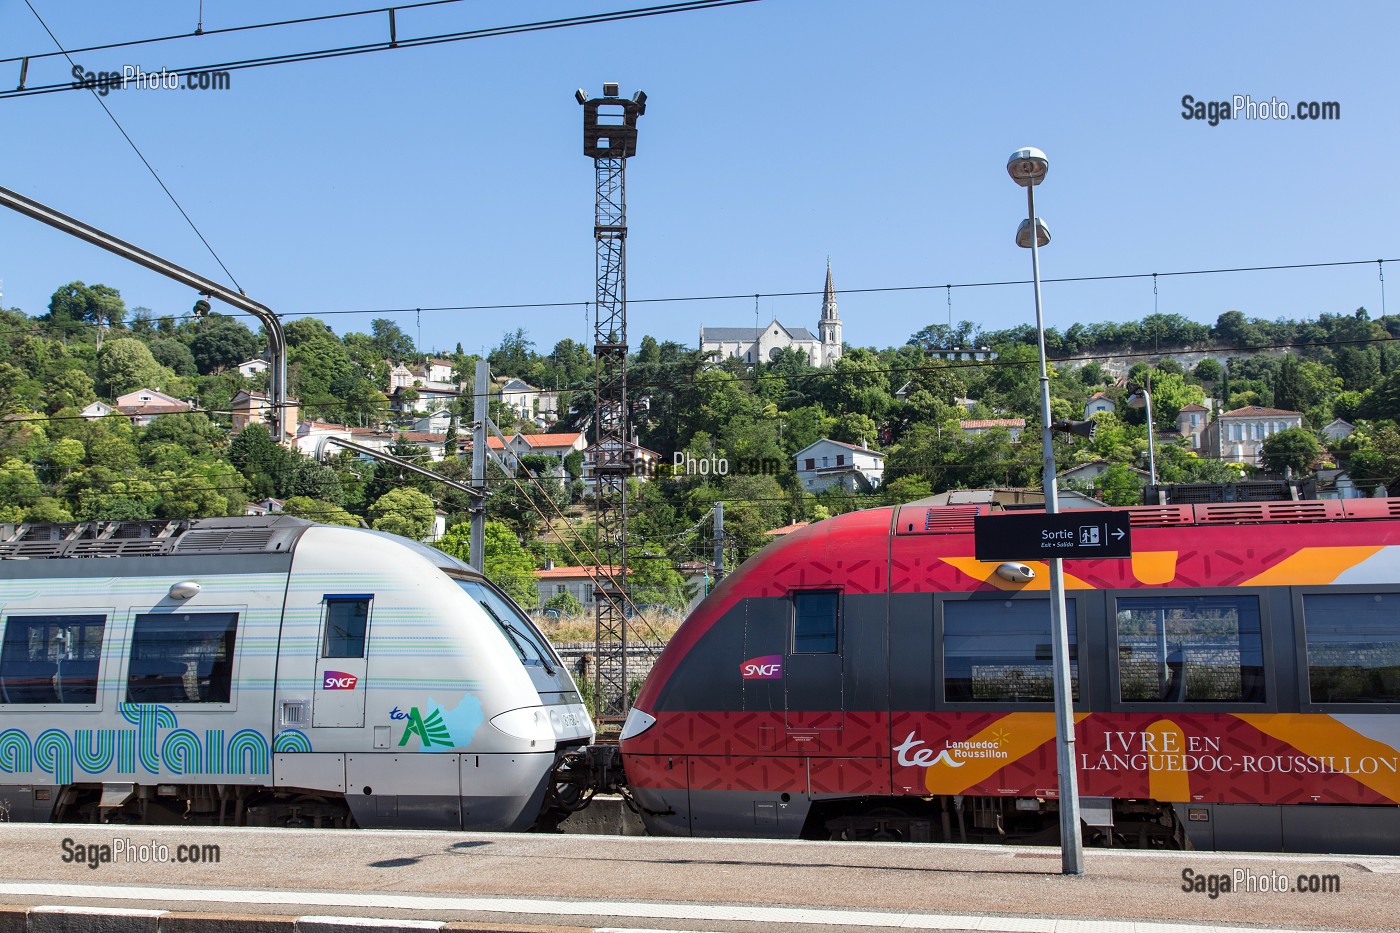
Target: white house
(1098,402)
(311,435)
(576,581)
(1238,436)
(1191,421)
(250,368)
(435,422)
(1337,429)
(520,397)
(643,465)
(143,405)
(97,410)
(829,463)
(438,370)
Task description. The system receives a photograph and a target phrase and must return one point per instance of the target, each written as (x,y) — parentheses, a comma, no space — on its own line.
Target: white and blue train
(270,671)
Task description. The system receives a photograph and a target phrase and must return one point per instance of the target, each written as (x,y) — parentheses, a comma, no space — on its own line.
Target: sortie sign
(1069,535)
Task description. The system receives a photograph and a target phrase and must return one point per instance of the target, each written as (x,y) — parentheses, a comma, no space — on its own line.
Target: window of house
(999,651)
(182,657)
(1190,649)
(840,459)
(816,621)
(811,463)
(347,622)
(51,659)
(1353,647)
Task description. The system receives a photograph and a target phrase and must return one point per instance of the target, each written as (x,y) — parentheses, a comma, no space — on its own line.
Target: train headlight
(636,723)
(531,723)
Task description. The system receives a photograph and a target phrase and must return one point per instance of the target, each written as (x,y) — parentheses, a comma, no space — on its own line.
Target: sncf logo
(339,680)
(768,667)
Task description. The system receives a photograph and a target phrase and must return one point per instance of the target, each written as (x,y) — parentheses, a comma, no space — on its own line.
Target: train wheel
(876,824)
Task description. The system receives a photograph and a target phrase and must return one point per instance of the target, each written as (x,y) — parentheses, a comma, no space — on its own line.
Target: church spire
(829,312)
(829,327)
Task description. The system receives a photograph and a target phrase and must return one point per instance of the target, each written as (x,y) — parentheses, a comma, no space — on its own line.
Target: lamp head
(1023,234)
(1027,167)
(581,96)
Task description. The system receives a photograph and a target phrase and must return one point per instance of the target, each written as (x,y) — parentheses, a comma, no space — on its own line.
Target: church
(761,344)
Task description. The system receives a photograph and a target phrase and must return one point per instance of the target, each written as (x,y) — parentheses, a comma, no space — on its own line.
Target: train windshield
(519,631)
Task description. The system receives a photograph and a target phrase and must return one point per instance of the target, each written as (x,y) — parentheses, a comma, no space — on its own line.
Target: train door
(342,662)
(814,681)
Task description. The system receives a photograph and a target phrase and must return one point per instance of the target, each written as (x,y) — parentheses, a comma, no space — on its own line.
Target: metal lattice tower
(609,138)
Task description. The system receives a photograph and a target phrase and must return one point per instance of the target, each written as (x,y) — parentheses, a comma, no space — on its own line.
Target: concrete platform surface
(423,880)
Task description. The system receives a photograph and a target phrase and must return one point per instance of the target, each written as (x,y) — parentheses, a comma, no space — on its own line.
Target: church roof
(750,334)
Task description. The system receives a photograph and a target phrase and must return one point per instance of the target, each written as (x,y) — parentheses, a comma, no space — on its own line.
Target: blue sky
(778,133)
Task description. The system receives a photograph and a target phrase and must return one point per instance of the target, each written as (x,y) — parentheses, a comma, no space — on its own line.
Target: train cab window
(51,659)
(816,620)
(526,640)
(347,620)
(1353,645)
(182,657)
(1190,649)
(999,651)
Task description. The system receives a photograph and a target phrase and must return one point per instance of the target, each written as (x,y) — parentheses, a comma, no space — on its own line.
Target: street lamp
(1140,398)
(1028,167)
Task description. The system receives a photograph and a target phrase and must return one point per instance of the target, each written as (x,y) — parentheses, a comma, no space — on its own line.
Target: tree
(174,355)
(1120,485)
(222,342)
(1290,391)
(125,364)
(405,512)
(319,510)
(508,565)
(566,604)
(1208,370)
(1296,449)
(76,304)
(390,342)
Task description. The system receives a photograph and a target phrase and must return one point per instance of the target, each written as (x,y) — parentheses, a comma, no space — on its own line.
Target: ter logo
(432,731)
(768,667)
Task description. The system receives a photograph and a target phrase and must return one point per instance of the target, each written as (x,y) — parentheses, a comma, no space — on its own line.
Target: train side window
(1190,649)
(51,659)
(999,651)
(347,621)
(1353,646)
(816,621)
(182,657)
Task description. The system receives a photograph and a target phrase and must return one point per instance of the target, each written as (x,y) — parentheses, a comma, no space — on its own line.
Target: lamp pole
(1028,168)
(1146,393)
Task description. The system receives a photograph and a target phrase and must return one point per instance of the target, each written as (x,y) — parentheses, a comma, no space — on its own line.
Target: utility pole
(609,138)
(276,341)
(480,412)
(719,542)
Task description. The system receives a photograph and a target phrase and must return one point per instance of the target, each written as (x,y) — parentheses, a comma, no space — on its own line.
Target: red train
(1237,685)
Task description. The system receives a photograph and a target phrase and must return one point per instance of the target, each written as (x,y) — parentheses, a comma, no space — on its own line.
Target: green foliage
(221,343)
(1120,485)
(565,603)
(319,510)
(126,364)
(508,565)
(405,512)
(1295,448)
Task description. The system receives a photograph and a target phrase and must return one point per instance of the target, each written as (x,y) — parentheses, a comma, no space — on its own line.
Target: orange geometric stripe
(1325,738)
(1312,566)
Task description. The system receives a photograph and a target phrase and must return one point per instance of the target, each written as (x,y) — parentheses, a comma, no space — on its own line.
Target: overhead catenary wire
(137,149)
(402,43)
